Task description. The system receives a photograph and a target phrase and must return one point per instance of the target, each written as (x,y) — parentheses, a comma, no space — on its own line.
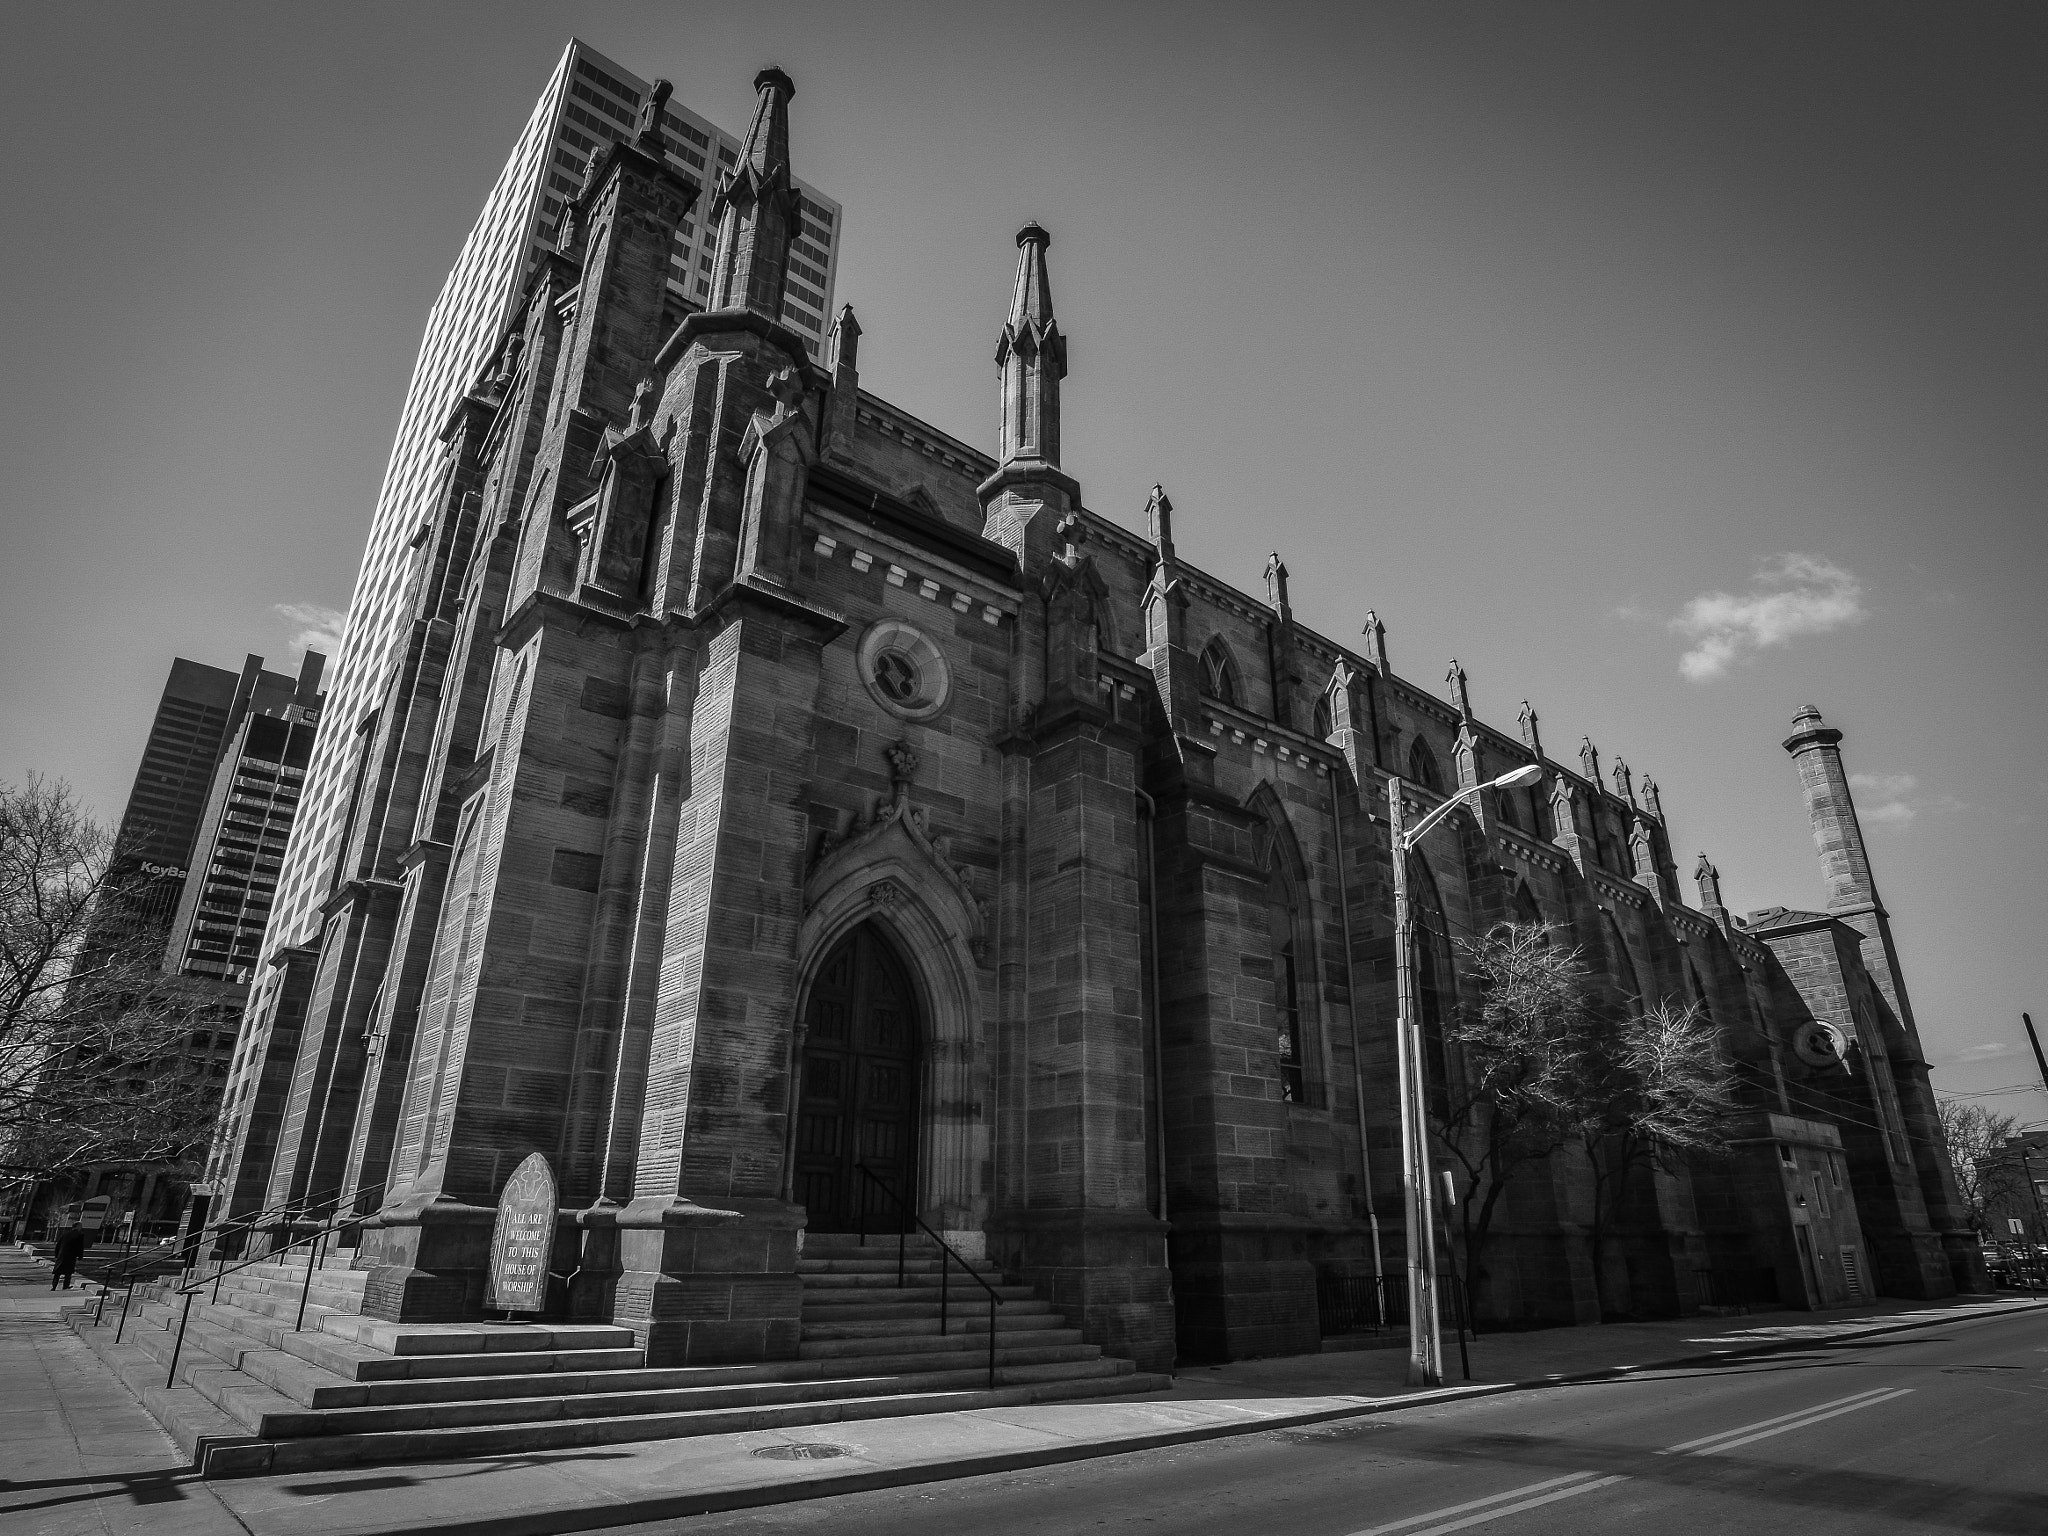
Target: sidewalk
(573,1490)
(82,1455)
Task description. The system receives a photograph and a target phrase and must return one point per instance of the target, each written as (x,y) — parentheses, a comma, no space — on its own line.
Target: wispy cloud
(1989,1050)
(318,628)
(1893,799)
(1790,596)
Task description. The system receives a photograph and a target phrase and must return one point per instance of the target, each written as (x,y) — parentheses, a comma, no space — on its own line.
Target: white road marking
(1578,1481)
(1783,1418)
(1813,1418)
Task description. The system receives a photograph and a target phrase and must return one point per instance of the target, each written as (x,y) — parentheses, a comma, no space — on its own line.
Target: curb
(681,1506)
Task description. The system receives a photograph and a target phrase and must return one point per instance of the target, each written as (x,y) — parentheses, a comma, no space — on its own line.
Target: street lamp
(1425,1361)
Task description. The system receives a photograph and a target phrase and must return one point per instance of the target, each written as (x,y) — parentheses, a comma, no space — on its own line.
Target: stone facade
(725,673)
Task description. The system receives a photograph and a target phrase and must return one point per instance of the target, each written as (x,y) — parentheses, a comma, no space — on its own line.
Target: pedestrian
(64,1257)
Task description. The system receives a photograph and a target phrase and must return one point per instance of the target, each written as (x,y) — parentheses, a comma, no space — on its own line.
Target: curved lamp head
(1528,773)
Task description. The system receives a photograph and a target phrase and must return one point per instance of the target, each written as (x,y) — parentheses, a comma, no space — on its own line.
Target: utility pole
(1425,1341)
(1425,1345)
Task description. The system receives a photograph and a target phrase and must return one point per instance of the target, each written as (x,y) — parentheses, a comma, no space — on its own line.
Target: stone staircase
(253,1395)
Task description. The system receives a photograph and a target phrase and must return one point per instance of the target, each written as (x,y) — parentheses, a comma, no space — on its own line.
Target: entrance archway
(860,1087)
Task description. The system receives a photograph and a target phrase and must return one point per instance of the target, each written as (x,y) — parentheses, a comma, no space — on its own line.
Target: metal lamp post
(1425,1348)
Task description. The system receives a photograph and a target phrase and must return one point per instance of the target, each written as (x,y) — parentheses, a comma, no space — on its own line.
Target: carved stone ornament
(891,847)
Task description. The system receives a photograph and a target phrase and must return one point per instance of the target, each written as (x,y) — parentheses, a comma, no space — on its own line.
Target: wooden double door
(860,1090)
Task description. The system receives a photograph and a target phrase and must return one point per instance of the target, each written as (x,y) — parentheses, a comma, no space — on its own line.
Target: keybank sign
(168,871)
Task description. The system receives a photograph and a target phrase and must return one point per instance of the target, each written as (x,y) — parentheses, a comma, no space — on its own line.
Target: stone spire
(1709,879)
(843,405)
(1276,587)
(647,131)
(1831,809)
(1530,734)
(1461,694)
(1624,785)
(1375,641)
(1032,355)
(756,209)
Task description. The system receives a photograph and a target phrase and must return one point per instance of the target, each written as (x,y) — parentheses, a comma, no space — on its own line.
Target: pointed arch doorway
(861,1087)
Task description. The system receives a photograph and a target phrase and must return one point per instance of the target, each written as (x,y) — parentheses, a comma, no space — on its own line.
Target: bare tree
(1510,1102)
(1657,1089)
(1986,1176)
(91,1030)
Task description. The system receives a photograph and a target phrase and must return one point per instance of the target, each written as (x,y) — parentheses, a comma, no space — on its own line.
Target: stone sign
(523,1238)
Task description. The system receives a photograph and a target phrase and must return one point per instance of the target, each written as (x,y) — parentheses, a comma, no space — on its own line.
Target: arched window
(1625,978)
(1288,981)
(1291,948)
(1524,907)
(1435,982)
(1219,674)
(1324,722)
(1422,768)
(1504,805)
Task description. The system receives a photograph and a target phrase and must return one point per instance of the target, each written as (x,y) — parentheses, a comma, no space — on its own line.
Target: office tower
(218,930)
(201,710)
(194,865)
(589,102)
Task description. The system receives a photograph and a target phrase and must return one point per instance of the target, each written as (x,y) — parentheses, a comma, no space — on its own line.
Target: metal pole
(1425,1356)
(2035,1041)
(993,1303)
(171,1378)
(312,1263)
(124,1311)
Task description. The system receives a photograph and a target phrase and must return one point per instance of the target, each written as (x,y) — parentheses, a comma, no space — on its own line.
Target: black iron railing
(946,1254)
(1379,1304)
(1736,1290)
(326,1205)
(317,1238)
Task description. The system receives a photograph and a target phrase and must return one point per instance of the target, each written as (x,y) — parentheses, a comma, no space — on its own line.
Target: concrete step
(926,1343)
(444,1389)
(872,1263)
(476,1338)
(821,1285)
(928,1327)
(969,1309)
(297,1423)
(365,1448)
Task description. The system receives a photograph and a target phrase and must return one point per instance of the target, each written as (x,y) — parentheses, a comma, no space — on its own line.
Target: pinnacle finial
(756,208)
(1032,355)
(649,126)
(846,339)
(1159,521)
(1276,584)
(1375,641)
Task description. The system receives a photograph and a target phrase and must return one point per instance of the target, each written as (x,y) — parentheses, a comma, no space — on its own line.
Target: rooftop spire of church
(1033,357)
(756,209)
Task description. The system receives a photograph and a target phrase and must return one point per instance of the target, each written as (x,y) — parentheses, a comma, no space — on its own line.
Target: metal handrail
(129,1269)
(945,1252)
(188,1291)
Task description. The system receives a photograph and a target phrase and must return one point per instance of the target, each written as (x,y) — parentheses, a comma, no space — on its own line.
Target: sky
(1670,367)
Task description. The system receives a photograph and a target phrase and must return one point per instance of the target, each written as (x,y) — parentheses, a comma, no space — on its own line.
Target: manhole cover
(803,1451)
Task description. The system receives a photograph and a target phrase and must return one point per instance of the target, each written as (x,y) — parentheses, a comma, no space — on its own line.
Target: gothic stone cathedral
(770,784)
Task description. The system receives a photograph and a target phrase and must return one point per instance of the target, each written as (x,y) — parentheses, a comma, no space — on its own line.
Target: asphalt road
(1941,1429)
